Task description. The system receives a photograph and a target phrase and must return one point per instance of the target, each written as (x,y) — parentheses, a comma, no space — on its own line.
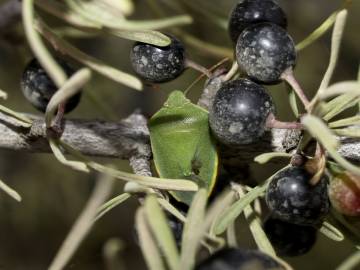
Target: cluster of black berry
(241,112)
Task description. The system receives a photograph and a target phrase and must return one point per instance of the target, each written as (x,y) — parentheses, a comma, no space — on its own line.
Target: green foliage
(184,152)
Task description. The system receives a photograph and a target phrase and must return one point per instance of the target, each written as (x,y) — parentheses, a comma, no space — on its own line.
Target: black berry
(292,198)
(249,12)
(264,51)
(239,112)
(289,239)
(158,64)
(239,259)
(38,88)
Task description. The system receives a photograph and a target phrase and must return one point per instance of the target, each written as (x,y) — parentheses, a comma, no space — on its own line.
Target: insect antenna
(203,75)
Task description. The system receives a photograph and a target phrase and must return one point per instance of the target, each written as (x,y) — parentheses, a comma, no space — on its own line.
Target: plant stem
(196,66)
(272,122)
(288,76)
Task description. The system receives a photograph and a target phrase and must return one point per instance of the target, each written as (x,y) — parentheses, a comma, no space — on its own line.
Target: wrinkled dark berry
(344,194)
(38,88)
(264,51)
(239,259)
(239,112)
(250,12)
(292,198)
(158,64)
(289,239)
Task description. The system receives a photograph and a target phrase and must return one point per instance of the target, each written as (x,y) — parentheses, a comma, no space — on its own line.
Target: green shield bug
(182,145)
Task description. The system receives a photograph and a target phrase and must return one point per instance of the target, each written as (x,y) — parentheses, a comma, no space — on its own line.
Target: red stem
(288,76)
(272,122)
(195,66)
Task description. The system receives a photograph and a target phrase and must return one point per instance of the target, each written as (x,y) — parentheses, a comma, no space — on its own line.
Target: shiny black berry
(292,198)
(239,112)
(38,88)
(239,259)
(249,12)
(158,64)
(289,239)
(265,51)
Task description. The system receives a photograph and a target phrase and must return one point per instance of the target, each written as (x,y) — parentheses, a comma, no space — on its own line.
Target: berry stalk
(288,76)
(196,66)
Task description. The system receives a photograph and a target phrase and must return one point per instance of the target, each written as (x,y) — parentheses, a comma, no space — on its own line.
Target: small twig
(191,64)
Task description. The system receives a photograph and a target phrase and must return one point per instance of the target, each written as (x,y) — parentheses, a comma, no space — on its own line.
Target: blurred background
(53,195)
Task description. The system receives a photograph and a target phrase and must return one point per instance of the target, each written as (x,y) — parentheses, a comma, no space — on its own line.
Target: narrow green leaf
(339,104)
(352,232)
(229,215)
(146,36)
(231,235)
(152,24)
(72,86)
(105,16)
(83,223)
(318,32)
(321,132)
(193,230)
(154,182)
(93,63)
(111,204)
(76,165)
(38,47)
(160,183)
(99,11)
(335,48)
(171,209)
(256,229)
(176,213)
(331,232)
(293,102)
(61,11)
(334,55)
(339,88)
(348,132)
(350,121)
(162,232)
(148,246)
(22,119)
(266,157)
(10,191)
(223,201)
(351,262)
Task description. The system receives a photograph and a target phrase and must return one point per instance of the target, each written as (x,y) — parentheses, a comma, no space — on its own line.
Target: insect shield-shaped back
(182,145)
